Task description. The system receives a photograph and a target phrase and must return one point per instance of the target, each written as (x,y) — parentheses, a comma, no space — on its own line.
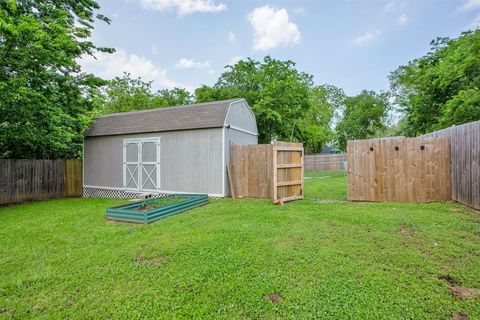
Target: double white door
(141,164)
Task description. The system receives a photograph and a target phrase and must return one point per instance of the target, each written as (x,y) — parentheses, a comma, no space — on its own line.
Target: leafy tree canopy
(277,92)
(315,128)
(365,116)
(124,94)
(441,88)
(45,101)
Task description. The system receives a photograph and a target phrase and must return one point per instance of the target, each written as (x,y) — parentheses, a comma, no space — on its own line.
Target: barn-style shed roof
(194,116)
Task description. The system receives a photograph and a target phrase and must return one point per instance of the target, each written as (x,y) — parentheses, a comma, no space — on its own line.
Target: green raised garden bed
(150,210)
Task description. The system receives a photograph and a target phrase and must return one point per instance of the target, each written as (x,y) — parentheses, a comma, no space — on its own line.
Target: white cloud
(272,28)
(366,37)
(185,63)
(183,7)
(403,19)
(232,38)
(469,5)
(109,66)
(390,7)
(233,60)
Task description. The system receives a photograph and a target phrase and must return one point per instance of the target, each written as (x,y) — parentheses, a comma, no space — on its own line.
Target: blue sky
(352,44)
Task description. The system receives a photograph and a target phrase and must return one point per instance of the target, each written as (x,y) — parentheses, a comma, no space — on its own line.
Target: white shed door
(141,164)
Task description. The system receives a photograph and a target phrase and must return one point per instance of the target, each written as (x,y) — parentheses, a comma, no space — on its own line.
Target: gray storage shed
(183,149)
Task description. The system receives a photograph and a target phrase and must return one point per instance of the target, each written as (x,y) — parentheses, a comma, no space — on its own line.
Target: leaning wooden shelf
(130,213)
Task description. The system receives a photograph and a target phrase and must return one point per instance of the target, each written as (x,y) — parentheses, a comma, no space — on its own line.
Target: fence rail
(26,180)
(325,162)
(465,157)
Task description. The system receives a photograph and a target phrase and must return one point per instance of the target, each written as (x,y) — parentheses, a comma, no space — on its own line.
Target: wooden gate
(267,171)
(287,171)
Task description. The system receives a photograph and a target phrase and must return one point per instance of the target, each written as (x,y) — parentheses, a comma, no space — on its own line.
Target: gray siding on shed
(240,116)
(190,160)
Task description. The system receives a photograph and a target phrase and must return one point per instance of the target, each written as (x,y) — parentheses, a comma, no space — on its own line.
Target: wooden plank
(73,178)
(465,167)
(325,163)
(26,180)
(289,165)
(289,183)
(232,190)
(289,148)
(275,173)
(264,171)
(399,169)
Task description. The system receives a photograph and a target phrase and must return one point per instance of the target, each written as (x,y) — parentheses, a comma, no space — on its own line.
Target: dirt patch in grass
(406,231)
(447,277)
(459,316)
(159,261)
(274,298)
(464,292)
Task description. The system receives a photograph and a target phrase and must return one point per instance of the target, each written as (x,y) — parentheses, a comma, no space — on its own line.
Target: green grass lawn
(228,259)
(326,186)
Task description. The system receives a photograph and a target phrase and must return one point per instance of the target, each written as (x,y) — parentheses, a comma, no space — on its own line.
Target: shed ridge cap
(213,103)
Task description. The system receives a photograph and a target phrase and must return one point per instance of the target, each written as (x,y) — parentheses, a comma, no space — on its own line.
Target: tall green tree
(277,92)
(315,128)
(125,93)
(45,100)
(441,88)
(172,97)
(365,116)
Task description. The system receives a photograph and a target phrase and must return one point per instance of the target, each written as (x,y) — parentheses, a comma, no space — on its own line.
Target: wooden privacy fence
(26,180)
(465,162)
(325,162)
(399,169)
(267,171)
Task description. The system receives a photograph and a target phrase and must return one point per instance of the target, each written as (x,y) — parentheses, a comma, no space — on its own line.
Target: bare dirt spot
(459,316)
(159,261)
(274,298)
(447,277)
(464,293)
(291,261)
(98,266)
(406,231)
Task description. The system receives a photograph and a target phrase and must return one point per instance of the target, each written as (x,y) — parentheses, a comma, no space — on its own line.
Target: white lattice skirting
(97,192)
(90,192)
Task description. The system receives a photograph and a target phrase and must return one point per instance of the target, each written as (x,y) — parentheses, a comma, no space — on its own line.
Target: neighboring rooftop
(193,116)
